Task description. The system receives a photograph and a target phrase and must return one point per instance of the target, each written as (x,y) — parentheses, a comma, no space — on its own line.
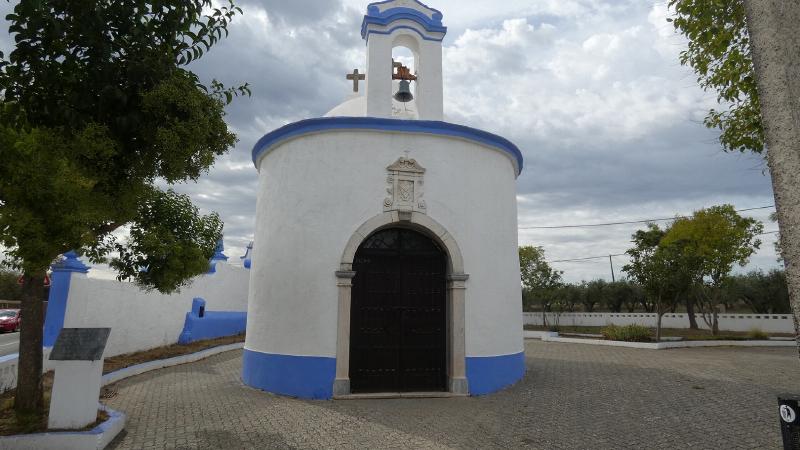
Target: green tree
(596,293)
(539,280)
(98,109)
(719,52)
(9,288)
(661,268)
(747,51)
(763,293)
(621,294)
(712,241)
(570,295)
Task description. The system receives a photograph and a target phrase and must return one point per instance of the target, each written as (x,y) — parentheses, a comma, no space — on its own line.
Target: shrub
(757,335)
(628,333)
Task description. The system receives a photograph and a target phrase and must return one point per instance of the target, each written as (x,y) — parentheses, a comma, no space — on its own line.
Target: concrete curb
(547,336)
(96,438)
(539,334)
(139,369)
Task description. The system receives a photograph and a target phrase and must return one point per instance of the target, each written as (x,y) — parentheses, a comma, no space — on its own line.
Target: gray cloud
(590,90)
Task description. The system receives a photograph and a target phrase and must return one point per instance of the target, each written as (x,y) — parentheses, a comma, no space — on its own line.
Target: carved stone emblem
(406,187)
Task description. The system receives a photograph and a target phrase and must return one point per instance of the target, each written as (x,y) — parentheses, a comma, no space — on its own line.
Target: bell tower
(410,24)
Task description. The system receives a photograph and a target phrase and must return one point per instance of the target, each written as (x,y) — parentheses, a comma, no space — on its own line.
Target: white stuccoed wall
(770,323)
(317,190)
(141,320)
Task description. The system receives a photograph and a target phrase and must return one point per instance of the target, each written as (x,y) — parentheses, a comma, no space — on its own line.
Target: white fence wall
(141,320)
(9,367)
(770,323)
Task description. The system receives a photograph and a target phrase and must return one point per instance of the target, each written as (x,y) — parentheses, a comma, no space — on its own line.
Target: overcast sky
(590,90)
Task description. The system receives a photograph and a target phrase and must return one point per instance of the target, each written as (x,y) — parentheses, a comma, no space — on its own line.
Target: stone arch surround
(456,286)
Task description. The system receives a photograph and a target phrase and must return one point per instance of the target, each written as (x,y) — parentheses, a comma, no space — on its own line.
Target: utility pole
(611,261)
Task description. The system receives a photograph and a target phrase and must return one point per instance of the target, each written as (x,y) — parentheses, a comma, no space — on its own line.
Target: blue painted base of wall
(214,324)
(494,373)
(308,377)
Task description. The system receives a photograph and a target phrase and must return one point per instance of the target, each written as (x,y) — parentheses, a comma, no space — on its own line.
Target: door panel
(398,314)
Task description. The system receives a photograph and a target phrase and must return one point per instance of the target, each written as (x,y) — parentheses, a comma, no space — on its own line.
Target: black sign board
(80,344)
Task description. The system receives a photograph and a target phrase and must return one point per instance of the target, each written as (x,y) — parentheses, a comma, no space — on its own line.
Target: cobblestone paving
(573,397)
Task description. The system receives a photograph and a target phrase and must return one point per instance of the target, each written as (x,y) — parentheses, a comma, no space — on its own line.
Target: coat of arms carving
(406,187)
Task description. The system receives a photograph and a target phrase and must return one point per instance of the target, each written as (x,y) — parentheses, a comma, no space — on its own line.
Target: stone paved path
(573,397)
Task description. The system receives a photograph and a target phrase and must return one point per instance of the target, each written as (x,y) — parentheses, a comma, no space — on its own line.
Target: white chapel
(385,257)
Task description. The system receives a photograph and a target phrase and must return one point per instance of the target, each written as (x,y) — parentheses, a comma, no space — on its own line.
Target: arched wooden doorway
(398,340)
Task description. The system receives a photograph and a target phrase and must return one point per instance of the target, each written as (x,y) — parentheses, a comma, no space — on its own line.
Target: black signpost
(790,420)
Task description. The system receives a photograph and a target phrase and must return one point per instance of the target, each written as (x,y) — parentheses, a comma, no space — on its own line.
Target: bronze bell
(404,94)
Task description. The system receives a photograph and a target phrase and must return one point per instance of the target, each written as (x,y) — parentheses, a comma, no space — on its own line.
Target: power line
(592,225)
(586,259)
(591,258)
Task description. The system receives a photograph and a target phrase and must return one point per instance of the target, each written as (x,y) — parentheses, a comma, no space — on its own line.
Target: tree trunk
(774,27)
(658,327)
(714,322)
(690,312)
(28,399)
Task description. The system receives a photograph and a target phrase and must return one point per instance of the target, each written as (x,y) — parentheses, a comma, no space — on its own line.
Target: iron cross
(356,77)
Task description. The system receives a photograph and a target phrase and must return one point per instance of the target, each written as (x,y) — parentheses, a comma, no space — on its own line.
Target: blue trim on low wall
(56,307)
(494,373)
(317,125)
(214,324)
(308,377)
(59,294)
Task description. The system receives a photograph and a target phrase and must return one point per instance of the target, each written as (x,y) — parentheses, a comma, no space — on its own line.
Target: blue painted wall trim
(494,373)
(374,16)
(402,27)
(200,324)
(247,259)
(218,256)
(59,294)
(317,125)
(308,377)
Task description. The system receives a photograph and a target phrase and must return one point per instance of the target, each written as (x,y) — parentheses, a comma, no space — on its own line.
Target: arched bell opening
(405,77)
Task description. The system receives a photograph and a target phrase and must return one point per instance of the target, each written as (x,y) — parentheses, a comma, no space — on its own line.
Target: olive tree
(539,280)
(712,241)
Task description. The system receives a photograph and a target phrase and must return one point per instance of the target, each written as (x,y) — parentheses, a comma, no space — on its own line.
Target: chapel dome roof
(352,107)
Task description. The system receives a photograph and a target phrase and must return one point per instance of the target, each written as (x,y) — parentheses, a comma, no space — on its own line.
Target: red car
(9,320)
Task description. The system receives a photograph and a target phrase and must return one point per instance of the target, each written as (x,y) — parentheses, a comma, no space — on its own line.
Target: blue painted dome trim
(318,125)
(403,27)
(374,16)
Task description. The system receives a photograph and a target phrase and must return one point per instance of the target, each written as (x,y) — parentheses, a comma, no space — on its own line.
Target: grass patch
(10,424)
(627,333)
(757,334)
(170,351)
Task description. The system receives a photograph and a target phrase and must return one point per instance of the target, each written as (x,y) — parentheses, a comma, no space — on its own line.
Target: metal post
(790,421)
(613,280)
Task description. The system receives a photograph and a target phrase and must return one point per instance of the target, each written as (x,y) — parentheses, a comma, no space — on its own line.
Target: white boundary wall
(141,320)
(770,323)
